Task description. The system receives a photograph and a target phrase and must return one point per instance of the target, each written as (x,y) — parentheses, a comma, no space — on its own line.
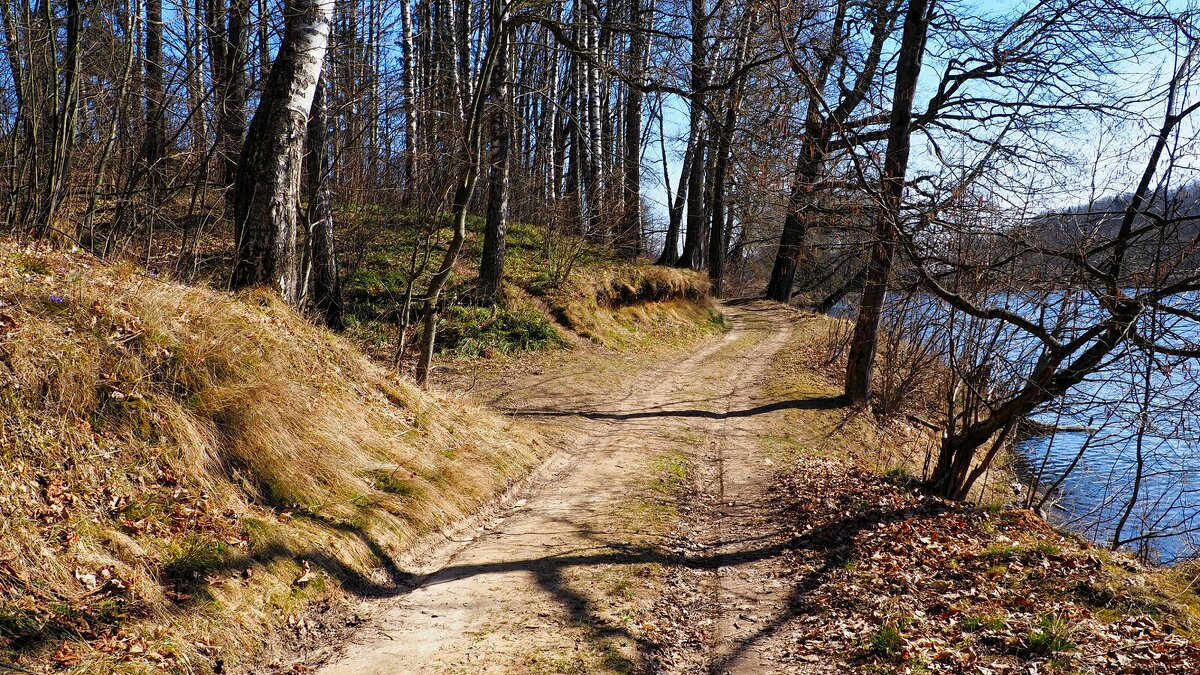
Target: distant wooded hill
(1170,217)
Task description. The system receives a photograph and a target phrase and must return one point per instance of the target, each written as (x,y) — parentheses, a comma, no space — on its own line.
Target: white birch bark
(267,197)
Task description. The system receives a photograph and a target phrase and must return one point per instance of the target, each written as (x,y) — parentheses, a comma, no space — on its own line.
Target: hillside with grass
(186,474)
(558,287)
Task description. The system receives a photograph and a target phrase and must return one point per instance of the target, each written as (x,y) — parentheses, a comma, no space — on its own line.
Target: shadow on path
(813,403)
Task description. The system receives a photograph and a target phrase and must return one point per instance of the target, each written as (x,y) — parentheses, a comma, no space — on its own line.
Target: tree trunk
(226,27)
(716,228)
(861,358)
(795,225)
(551,139)
(326,294)
(691,256)
(472,143)
(111,136)
(717,238)
(820,121)
(67,108)
(670,252)
(264,35)
(410,100)
(692,244)
(852,284)
(592,179)
(629,230)
(155,141)
(195,77)
(267,190)
(491,266)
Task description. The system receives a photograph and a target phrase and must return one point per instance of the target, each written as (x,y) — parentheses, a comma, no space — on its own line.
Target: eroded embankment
(617,305)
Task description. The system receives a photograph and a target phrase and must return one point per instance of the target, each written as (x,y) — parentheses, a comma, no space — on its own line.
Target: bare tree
(895,167)
(1124,287)
(826,122)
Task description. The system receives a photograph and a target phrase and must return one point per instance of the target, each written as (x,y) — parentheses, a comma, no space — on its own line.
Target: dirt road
(656,506)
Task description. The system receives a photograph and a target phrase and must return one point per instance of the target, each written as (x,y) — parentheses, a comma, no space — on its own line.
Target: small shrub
(900,477)
(483,331)
(28,264)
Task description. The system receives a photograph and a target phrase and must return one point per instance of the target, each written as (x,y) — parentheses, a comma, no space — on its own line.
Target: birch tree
(322,285)
(267,190)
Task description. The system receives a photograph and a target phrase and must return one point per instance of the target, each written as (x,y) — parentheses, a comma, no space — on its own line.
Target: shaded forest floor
(712,508)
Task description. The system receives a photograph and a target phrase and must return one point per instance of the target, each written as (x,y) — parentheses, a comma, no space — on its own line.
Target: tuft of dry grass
(174,459)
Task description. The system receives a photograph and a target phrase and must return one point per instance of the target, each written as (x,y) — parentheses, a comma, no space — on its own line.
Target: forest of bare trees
(836,154)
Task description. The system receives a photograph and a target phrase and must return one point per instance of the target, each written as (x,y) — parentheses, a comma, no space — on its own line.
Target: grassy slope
(553,283)
(183,471)
(926,585)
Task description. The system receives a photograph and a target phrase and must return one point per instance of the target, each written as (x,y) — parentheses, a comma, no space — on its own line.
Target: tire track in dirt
(523,585)
(733,586)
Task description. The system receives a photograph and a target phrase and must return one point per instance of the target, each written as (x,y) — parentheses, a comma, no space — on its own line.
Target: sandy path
(513,599)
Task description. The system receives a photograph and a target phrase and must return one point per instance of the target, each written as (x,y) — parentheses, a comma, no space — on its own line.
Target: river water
(1139,463)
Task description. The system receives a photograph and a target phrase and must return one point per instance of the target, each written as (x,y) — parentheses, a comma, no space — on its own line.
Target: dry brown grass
(157,441)
(625,305)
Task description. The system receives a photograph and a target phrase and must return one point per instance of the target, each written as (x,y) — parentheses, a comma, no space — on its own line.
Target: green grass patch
(1005,551)
(887,643)
(670,472)
(1052,635)
(194,554)
(977,623)
(486,331)
(1048,548)
(393,483)
(29,264)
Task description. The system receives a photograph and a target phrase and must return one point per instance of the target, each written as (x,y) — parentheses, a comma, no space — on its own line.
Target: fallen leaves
(135,648)
(65,656)
(306,576)
(967,589)
(947,587)
(58,500)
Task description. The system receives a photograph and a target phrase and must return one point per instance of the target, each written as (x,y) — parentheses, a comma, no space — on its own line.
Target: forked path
(524,593)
